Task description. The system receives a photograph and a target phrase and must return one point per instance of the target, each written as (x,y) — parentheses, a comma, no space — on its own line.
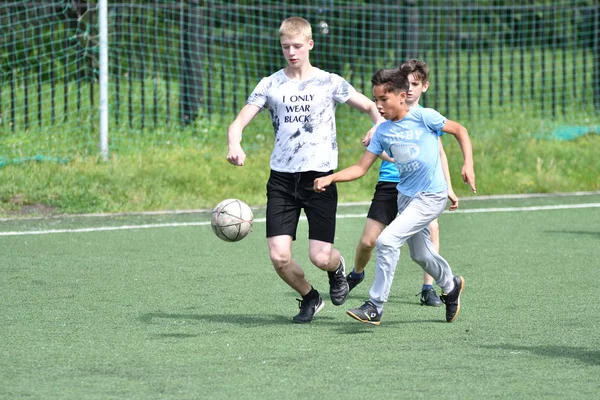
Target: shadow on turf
(239,319)
(353,327)
(576,233)
(348,327)
(175,335)
(584,355)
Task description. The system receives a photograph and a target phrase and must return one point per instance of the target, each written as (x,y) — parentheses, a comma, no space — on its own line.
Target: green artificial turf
(171,312)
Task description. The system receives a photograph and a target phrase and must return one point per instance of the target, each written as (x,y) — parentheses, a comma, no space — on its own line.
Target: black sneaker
(308,308)
(367,313)
(338,286)
(429,298)
(452,299)
(353,282)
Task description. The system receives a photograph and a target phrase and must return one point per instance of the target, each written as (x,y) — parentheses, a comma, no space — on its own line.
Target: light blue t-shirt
(388,171)
(413,144)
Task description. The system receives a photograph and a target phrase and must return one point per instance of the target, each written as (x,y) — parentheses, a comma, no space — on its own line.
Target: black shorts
(289,193)
(384,206)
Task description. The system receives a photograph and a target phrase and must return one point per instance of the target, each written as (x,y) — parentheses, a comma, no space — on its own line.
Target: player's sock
(313,294)
(427,287)
(355,275)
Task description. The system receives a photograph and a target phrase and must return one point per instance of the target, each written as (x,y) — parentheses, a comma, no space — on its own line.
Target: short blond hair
(295,26)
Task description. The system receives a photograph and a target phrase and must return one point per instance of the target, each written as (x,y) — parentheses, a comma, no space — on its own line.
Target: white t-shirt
(303,116)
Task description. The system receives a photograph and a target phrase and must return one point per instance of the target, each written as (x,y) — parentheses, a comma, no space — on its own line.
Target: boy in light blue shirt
(384,207)
(414,143)
(410,137)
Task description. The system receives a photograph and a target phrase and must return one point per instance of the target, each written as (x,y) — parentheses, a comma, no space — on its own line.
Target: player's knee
(280,259)
(367,243)
(321,260)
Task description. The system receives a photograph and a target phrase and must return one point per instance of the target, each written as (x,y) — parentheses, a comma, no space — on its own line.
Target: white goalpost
(103,77)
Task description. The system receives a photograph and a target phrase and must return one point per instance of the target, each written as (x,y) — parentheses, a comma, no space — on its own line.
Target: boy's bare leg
(365,247)
(325,257)
(364,251)
(280,251)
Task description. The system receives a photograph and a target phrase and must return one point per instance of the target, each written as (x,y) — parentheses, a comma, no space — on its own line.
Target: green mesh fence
(180,70)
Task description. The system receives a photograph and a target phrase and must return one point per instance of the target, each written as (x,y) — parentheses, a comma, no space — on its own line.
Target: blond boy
(301,101)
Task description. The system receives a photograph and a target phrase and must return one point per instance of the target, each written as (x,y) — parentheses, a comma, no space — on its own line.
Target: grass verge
(192,174)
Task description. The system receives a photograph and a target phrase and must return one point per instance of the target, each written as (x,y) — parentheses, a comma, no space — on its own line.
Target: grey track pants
(411,226)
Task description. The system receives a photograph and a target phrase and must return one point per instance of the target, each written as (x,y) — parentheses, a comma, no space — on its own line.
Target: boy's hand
(453,200)
(321,183)
(236,156)
(468,175)
(367,139)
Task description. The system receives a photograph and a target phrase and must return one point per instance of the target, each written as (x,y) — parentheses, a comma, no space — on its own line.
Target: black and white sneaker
(367,313)
(338,285)
(452,299)
(429,298)
(353,282)
(308,309)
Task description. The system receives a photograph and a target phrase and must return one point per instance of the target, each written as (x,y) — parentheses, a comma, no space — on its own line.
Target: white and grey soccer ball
(232,220)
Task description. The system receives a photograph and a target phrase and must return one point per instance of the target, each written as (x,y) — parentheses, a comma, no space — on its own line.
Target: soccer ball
(231,220)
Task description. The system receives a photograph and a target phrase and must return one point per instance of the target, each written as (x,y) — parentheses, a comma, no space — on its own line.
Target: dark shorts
(384,206)
(289,193)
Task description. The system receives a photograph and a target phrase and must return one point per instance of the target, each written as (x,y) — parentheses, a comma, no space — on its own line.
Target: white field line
(341,216)
(359,203)
(502,197)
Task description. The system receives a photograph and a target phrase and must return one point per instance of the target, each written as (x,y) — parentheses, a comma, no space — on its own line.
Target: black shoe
(308,308)
(430,298)
(353,282)
(452,299)
(367,313)
(338,286)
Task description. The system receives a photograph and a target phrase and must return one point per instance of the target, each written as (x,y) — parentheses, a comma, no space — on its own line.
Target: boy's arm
(462,136)
(367,139)
(366,105)
(362,103)
(444,159)
(347,174)
(384,156)
(236,155)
